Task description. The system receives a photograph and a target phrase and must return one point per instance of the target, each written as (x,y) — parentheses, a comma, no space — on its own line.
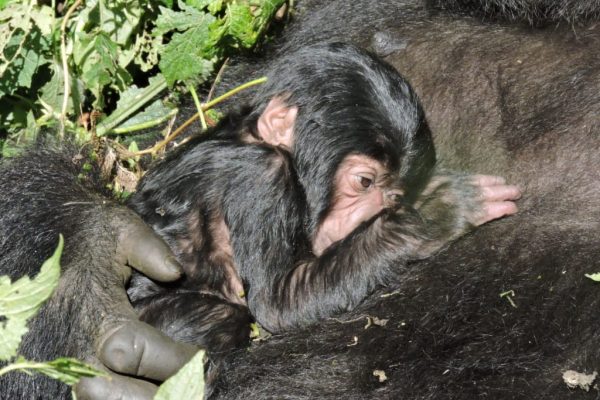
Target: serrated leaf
(187,384)
(189,17)
(594,277)
(215,6)
(66,370)
(95,55)
(266,9)
(21,299)
(183,57)
(241,24)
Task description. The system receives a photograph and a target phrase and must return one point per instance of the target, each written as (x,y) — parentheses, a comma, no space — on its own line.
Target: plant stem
(23,366)
(198,107)
(63,53)
(232,92)
(207,106)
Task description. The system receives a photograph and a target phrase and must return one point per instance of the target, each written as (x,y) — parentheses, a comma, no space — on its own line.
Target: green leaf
(189,17)
(213,6)
(26,134)
(27,53)
(146,51)
(133,147)
(66,370)
(265,11)
(241,24)
(69,370)
(95,56)
(188,383)
(130,104)
(183,58)
(43,16)
(594,277)
(51,94)
(11,332)
(154,112)
(20,300)
(120,18)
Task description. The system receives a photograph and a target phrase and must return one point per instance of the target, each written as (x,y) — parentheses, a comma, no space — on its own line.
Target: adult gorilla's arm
(89,316)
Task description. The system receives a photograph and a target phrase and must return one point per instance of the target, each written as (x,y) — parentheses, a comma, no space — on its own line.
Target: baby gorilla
(291,210)
(297,207)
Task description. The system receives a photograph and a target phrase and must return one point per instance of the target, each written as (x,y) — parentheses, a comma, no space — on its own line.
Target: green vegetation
(21,300)
(98,67)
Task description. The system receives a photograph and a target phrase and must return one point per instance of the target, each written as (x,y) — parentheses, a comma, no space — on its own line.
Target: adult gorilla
(523,103)
(449,333)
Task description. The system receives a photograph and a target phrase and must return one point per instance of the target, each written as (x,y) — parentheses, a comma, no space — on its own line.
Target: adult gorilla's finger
(115,387)
(147,252)
(136,348)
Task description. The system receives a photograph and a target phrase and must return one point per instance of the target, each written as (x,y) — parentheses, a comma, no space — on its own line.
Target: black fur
(270,202)
(513,101)
(534,12)
(40,197)
(526,111)
(363,107)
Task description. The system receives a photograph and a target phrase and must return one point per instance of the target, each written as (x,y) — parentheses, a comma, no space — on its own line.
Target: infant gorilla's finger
(495,210)
(115,387)
(147,252)
(500,192)
(136,348)
(487,180)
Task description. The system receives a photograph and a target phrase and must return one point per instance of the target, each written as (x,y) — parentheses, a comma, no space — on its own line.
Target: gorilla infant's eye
(365,182)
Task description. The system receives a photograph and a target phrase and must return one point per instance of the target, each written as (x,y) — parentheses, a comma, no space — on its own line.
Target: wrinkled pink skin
(363,188)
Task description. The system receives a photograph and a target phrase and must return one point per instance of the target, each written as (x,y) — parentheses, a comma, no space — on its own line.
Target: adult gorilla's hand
(124,344)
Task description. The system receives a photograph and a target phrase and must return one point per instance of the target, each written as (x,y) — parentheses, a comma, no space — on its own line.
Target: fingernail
(173,266)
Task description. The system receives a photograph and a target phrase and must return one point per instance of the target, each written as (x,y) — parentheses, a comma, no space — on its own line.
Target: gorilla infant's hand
(496,197)
(452,205)
(124,344)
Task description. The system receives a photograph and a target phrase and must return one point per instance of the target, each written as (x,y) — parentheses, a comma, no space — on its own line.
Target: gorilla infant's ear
(276,123)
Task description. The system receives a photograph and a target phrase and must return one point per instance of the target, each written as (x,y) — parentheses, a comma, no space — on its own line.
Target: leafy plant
(21,300)
(83,68)
(188,383)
